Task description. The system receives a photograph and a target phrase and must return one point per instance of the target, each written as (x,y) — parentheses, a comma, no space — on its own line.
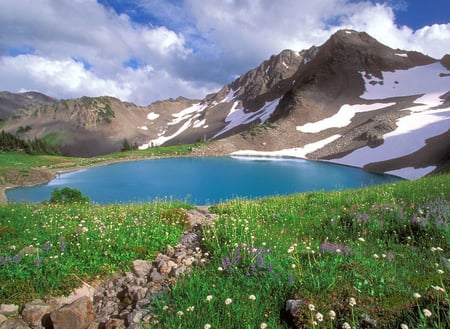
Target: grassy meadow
(355,258)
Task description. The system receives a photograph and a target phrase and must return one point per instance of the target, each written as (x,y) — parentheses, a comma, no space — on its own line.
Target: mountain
(351,100)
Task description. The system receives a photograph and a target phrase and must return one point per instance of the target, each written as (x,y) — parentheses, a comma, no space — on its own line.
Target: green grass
(23,161)
(49,248)
(378,245)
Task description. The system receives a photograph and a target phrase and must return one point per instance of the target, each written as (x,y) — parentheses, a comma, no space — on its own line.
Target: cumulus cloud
(71,48)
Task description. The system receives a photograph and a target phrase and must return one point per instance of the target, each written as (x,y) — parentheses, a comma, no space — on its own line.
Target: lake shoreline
(52,173)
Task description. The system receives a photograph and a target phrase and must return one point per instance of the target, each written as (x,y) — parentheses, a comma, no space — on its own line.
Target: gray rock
(9,309)
(37,313)
(78,315)
(15,323)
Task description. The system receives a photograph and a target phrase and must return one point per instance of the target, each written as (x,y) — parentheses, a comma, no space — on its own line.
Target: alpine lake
(202,180)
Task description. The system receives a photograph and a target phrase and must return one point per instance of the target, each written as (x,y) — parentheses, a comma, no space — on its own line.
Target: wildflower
(207,326)
(437,288)
(361,239)
(440,271)
(165,307)
(38,262)
(293,266)
(416,295)
(252,297)
(220,268)
(376,256)
(426,312)
(228,301)
(319,317)
(263,325)
(290,250)
(209,298)
(46,246)
(180,313)
(345,325)
(332,314)
(352,301)
(404,326)
(311,307)
(190,309)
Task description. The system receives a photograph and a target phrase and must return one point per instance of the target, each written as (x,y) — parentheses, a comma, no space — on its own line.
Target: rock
(37,313)
(28,251)
(156,277)
(77,315)
(288,314)
(15,323)
(9,309)
(141,268)
(115,324)
(2,318)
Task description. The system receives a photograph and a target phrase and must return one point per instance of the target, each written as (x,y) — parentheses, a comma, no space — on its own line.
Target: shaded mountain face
(351,100)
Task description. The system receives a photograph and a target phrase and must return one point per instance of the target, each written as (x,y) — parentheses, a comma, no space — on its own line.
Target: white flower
(361,239)
(180,313)
(332,314)
(290,250)
(376,256)
(293,266)
(228,301)
(319,317)
(404,326)
(209,298)
(252,297)
(311,307)
(345,325)
(426,312)
(207,326)
(437,288)
(416,295)
(190,309)
(352,301)
(263,325)
(440,271)
(220,269)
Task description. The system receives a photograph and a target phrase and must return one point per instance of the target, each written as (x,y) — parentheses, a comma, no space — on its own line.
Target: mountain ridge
(352,93)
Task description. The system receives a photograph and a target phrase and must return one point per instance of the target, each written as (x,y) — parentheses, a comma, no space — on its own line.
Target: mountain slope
(351,100)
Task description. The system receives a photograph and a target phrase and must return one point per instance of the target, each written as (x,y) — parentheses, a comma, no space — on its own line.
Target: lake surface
(202,181)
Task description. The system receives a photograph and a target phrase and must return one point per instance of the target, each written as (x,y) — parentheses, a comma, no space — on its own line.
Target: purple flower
(46,246)
(16,259)
(389,257)
(38,262)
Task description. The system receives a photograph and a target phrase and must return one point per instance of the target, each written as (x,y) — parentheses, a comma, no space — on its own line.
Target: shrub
(67,195)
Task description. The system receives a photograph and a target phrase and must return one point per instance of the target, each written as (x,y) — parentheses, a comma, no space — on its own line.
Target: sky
(142,51)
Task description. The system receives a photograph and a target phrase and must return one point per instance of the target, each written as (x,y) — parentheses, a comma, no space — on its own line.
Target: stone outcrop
(121,301)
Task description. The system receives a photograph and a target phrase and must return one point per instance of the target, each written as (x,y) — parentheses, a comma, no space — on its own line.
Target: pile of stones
(121,302)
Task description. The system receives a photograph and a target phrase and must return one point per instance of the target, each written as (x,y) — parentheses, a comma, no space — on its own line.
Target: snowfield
(428,83)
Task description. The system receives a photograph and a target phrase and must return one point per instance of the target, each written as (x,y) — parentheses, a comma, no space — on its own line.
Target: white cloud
(196,47)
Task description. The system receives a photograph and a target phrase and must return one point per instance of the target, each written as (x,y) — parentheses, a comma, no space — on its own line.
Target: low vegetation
(50,248)
(23,161)
(357,258)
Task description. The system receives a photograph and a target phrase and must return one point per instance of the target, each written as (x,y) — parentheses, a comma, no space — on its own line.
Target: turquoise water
(202,181)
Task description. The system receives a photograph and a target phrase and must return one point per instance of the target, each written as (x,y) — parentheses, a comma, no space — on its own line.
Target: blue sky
(147,50)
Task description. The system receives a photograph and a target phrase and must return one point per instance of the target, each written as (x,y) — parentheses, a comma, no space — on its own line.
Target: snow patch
(401,54)
(418,80)
(285,65)
(342,118)
(143,127)
(152,116)
(199,123)
(417,127)
(411,172)
(297,152)
(238,116)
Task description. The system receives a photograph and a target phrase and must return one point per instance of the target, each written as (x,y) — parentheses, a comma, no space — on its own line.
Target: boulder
(37,313)
(9,309)
(15,323)
(141,268)
(77,315)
